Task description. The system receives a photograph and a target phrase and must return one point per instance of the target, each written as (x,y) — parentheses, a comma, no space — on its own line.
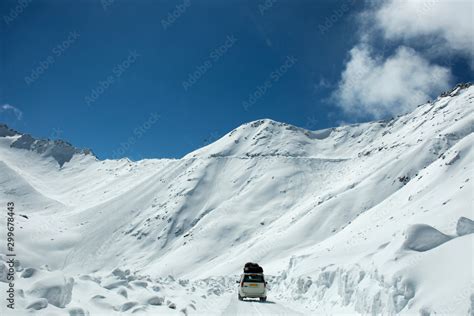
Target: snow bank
(423,237)
(464,226)
(38,304)
(3,272)
(55,288)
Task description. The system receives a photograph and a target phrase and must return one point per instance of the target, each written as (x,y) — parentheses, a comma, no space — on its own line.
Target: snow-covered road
(255,307)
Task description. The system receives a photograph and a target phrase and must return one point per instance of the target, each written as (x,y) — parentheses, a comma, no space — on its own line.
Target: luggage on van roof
(251,267)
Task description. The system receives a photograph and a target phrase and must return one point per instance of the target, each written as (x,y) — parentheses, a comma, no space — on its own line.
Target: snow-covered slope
(368,218)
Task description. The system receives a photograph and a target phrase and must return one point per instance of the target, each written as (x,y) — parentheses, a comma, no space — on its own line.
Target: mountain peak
(265,121)
(264,137)
(455,91)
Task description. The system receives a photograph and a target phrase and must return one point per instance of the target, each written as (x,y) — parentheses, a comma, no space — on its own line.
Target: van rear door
(253,284)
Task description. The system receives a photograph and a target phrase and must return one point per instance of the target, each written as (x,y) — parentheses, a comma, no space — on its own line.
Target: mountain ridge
(62,151)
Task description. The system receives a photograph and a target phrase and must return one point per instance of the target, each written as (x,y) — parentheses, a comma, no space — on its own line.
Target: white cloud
(376,86)
(449,21)
(7,107)
(323,84)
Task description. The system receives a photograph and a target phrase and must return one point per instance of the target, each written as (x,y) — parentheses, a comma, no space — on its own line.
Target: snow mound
(155,300)
(114,284)
(465,226)
(422,237)
(77,311)
(55,288)
(38,304)
(28,273)
(122,275)
(3,272)
(122,291)
(127,306)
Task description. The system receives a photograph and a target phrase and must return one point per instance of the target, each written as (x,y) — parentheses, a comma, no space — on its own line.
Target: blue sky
(147,79)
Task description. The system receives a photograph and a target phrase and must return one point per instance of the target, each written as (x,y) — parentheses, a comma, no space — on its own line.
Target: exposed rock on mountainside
(59,150)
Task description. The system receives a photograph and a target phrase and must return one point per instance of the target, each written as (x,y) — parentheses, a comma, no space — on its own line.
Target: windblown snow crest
(367,218)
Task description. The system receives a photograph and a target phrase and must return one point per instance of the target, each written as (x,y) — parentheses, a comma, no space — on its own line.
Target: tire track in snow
(254,307)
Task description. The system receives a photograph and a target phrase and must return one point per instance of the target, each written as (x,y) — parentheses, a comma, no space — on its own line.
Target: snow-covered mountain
(59,150)
(367,218)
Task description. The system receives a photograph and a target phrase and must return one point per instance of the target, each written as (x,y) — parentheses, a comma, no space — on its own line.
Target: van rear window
(256,278)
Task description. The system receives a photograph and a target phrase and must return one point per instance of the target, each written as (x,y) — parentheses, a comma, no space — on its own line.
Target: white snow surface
(373,218)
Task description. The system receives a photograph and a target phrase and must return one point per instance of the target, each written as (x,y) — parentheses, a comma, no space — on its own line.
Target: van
(252,285)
